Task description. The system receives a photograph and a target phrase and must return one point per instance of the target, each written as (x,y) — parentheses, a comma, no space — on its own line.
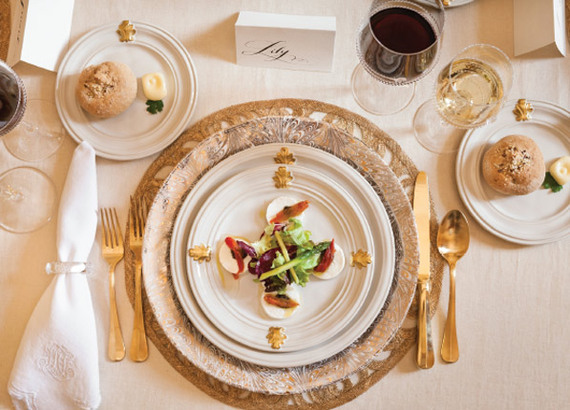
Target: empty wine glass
(469,93)
(27,195)
(397,44)
(39,134)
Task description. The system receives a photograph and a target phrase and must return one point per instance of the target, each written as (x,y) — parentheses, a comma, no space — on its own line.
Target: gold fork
(112,250)
(137,219)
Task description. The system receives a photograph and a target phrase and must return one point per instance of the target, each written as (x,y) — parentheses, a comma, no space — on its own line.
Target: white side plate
(134,133)
(539,217)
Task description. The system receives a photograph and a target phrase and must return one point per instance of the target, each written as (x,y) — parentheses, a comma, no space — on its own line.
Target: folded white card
(39,32)
(285,41)
(538,24)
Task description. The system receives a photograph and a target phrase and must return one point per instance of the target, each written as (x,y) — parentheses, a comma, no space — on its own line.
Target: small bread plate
(134,133)
(540,217)
(232,201)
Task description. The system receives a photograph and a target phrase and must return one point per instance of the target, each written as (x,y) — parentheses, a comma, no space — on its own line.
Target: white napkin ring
(56,268)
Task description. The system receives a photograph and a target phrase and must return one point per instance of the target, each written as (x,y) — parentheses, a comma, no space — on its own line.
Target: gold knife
(425,356)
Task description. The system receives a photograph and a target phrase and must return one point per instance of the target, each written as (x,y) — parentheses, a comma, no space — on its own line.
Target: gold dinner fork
(137,219)
(112,250)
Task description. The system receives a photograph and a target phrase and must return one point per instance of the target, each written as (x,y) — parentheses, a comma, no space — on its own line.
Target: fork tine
(132,227)
(118,233)
(103,227)
(142,216)
(137,218)
(111,229)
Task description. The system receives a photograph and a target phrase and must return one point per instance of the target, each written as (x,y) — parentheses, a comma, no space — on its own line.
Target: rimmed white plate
(539,217)
(352,199)
(327,306)
(197,168)
(135,133)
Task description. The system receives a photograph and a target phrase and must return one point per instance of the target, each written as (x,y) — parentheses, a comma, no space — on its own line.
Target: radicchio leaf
(248,249)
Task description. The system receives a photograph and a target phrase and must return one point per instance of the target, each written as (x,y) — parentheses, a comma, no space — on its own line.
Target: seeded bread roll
(107,89)
(514,165)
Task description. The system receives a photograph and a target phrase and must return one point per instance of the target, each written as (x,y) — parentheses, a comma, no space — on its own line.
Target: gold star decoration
(282,178)
(200,253)
(284,156)
(126,31)
(360,259)
(276,337)
(523,110)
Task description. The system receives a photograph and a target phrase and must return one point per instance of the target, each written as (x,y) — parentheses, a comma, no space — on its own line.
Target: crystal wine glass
(39,134)
(397,45)
(469,93)
(27,195)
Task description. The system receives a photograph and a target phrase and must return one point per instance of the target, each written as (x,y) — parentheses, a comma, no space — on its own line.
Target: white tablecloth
(512,302)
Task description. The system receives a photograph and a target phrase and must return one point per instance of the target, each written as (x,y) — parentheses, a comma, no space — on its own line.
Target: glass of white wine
(469,93)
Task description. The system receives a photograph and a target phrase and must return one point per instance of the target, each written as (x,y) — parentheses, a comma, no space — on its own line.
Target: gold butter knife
(425,356)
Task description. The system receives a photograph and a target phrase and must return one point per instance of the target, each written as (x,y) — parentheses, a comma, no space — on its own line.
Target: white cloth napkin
(57,366)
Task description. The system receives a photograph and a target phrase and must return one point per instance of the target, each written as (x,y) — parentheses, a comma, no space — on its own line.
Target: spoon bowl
(452,243)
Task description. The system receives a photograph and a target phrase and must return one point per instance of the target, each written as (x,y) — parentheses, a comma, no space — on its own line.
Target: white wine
(469,93)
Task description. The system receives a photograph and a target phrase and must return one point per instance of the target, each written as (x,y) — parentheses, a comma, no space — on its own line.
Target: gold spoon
(452,243)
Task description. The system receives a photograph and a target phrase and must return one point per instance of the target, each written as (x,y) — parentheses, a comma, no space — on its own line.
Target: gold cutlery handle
(139,346)
(449,345)
(425,356)
(116,346)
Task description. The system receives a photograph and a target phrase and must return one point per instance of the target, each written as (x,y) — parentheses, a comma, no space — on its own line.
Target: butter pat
(560,170)
(285,41)
(154,86)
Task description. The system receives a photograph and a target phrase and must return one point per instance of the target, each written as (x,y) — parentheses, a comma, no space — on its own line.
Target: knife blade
(425,356)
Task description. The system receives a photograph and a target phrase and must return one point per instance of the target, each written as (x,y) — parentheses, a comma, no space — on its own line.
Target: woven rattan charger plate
(331,395)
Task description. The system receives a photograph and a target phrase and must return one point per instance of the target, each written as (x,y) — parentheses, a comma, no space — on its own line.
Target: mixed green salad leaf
(278,265)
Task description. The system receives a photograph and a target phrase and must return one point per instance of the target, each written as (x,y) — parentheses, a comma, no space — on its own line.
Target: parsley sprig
(550,183)
(154,106)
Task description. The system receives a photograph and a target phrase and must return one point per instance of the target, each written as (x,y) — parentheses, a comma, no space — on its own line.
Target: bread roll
(514,165)
(107,89)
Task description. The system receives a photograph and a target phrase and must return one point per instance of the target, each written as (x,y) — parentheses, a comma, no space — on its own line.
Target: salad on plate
(283,259)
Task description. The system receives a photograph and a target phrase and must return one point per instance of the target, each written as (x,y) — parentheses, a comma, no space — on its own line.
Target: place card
(285,41)
(39,33)
(540,24)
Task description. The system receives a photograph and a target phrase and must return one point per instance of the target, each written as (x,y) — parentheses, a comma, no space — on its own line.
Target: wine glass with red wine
(27,195)
(397,45)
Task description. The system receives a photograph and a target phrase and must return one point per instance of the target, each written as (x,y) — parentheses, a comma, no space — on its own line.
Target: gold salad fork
(112,250)
(137,219)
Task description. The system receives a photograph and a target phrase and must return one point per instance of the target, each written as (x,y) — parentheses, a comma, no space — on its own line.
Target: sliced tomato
(326,259)
(280,301)
(237,255)
(290,212)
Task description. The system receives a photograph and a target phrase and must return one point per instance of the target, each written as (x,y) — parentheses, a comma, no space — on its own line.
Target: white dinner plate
(350,198)
(135,133)
(539,217)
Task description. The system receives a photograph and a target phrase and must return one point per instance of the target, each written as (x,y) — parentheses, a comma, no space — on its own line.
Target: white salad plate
(135,133)
(539,217)
(232,201)
(326,306)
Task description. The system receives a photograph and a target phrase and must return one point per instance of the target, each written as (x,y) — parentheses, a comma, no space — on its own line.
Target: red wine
(12,98)
(402,30)
(8,97)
